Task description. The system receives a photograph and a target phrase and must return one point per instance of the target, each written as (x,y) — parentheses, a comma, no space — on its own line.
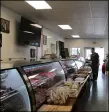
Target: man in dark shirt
(94,64)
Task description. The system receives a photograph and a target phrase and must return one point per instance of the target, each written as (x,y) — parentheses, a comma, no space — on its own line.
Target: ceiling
(89,19)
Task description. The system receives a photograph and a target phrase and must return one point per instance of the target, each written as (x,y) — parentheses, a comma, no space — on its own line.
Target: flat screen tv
(30,33)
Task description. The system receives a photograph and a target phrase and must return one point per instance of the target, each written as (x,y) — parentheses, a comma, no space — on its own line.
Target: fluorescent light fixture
(75,36)
(36,25)
(39,4)
(28,32)
(65,27)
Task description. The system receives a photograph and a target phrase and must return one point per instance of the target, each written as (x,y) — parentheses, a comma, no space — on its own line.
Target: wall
(9,47)
(51,39)
(81,43)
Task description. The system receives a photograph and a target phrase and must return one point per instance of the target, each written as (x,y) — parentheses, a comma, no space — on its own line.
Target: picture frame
(44,40)
(4,25)
(0,40)
(32,53)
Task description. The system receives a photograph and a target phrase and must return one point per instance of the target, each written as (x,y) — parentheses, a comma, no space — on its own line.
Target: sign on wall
(4,25)
(0,40)
(32,53)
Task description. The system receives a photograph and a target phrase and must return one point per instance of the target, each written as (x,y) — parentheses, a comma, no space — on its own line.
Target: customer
(94,64)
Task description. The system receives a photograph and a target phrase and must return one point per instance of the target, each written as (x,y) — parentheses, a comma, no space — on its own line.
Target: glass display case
(81,59)
(42,77)
(13,92)
(69,67)
(79,63)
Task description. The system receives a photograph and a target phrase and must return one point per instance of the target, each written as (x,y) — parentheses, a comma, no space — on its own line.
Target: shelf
(6,97)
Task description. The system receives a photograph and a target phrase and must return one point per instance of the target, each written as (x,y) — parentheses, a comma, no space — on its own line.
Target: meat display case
(69,66)
(13,92)
(26,84)
(79,63)
(43,77)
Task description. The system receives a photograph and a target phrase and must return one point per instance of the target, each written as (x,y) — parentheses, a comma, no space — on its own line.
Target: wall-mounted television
(30,33)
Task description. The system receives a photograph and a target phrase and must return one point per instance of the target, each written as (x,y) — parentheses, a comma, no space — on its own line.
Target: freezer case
(13,92)
(43,77)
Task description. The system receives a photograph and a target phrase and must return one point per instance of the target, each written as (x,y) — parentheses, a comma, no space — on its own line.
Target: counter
(37,80)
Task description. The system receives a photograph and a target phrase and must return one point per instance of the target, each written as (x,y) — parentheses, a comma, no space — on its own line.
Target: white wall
(81,43)
(51,39)
(9,47)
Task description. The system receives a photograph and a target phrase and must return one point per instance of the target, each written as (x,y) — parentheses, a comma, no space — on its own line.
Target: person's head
(92,50)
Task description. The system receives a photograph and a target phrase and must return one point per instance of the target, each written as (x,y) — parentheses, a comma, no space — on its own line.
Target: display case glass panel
(79,63)
(69,67)
(43,77)
(13,92)
(81,59)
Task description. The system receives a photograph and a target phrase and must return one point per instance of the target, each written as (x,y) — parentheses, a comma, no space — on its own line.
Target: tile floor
(95,97)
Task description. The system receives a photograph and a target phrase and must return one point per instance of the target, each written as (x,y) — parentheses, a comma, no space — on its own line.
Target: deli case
(27,86)
(69,66)
(43,77)
(13,92)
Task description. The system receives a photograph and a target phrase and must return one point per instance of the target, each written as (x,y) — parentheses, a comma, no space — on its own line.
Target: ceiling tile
(77,14)
(68,4)
(99,25)
(99,4)
(99,13)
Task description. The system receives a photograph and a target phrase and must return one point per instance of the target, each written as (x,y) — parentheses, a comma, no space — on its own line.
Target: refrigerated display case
(69,67)
(81,59)
(43,77)
(27,85)
(14,95)
(79,63)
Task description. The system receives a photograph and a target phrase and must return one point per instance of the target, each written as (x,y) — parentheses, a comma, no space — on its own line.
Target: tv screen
(30,32)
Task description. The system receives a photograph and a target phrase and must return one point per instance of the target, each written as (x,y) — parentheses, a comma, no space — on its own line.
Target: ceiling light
(65,27)
(75,36)
(39,4)
(36,25)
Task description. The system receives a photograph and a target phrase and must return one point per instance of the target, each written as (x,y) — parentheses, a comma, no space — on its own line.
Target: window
(75,51)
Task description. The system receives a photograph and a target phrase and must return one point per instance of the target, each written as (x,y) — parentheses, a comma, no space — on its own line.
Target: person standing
(95,63)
